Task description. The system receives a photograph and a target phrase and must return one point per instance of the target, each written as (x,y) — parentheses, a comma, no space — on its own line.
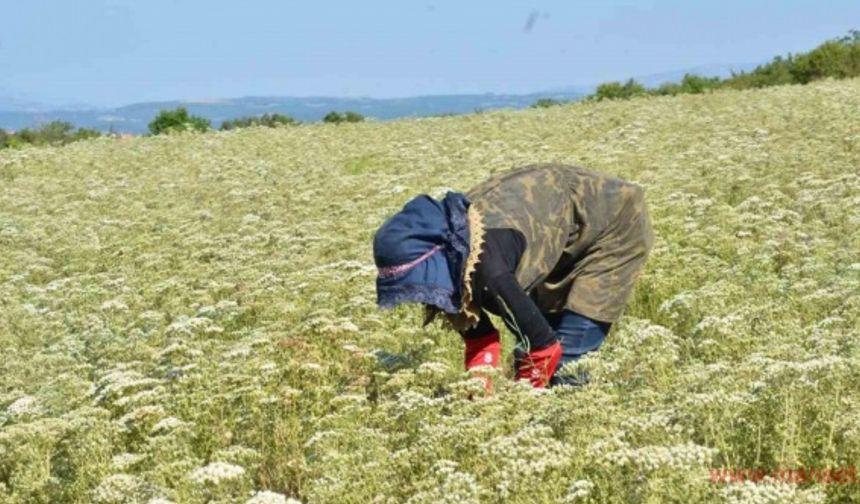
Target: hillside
(192,317)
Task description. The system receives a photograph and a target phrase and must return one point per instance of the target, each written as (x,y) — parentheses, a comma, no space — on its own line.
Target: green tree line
(267,120)
(838,58)
(348,116)
(167,121)
(171,121)
(52,133)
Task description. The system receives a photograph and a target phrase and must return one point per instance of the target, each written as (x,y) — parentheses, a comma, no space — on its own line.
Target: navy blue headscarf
(421,253)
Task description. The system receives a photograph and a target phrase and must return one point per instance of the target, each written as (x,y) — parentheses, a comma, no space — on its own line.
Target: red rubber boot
(539,365)
(483,351)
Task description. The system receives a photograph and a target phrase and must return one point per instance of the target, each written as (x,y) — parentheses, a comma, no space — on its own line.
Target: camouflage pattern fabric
(587,235)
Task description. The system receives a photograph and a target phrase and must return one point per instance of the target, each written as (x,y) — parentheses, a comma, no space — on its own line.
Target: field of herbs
(192,318)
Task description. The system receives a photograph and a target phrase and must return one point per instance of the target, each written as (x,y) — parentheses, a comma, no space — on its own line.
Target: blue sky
(112,52)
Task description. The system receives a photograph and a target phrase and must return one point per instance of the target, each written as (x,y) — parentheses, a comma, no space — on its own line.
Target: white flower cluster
(578,491)
(237,454)
(114,305)
(650,458)
(191,326)
(524,456)
(451,486)
(125,461)
(23,407)
(771,492)
(120,488)
(166,424)
(267,497)
(216,472)
(119,382)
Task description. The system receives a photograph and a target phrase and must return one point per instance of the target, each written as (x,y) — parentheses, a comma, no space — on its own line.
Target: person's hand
(538,366)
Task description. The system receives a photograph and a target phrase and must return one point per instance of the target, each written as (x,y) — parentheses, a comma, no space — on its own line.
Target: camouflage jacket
(587,236)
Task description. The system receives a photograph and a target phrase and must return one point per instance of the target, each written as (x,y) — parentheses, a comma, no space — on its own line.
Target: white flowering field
(192,318)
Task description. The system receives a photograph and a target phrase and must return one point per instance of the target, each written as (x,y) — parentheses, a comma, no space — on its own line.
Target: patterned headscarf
(421,253)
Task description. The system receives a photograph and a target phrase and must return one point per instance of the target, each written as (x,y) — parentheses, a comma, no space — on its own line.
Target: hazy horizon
(117,52)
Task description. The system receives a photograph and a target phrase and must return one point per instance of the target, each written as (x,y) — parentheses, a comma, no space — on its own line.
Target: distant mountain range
(135,118)
(17,113)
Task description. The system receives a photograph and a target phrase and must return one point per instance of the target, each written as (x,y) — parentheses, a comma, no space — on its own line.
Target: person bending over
(552,249)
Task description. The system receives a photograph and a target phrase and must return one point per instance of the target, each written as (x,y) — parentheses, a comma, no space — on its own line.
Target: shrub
(170,121)
(52,133)
(85,133)
(667,89)
(838,58)
(28,136)
(55,132)
(775,73)
(268,120)
(546,103)
(333,117)
(615,90)
(350,116)
(691,83)
(696,84)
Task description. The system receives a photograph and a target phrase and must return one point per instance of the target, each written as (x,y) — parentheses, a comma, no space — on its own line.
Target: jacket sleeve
(498,291)
(519,311)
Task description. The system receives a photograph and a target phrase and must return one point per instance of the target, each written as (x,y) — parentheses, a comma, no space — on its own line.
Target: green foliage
(615,90)
(546,103)
(85,133)
(353,117)
(56,131)
(838,59)
(776,73)
(348,116)
(333,117)
(443,114)
(267,120)
(695,84)
(171,121)
(690,84)
(53,133)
